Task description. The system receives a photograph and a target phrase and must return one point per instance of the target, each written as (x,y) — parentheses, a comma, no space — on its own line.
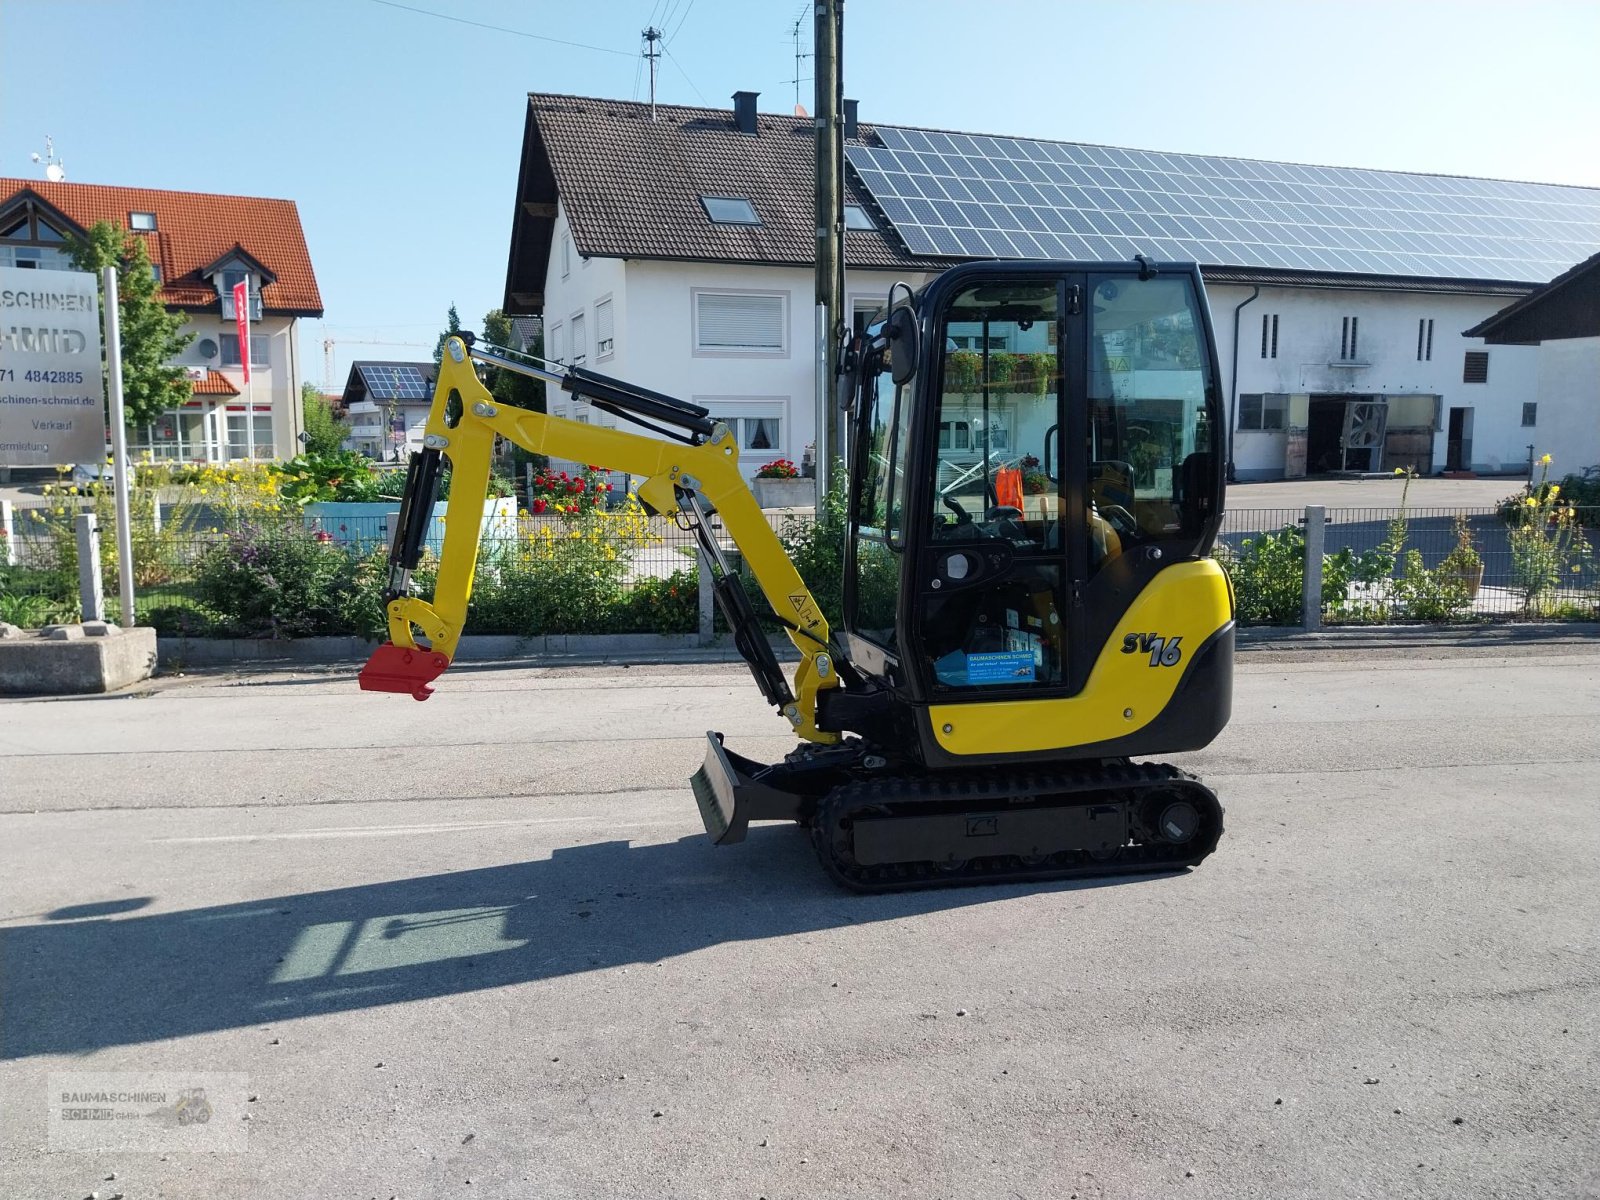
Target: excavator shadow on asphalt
(91,976)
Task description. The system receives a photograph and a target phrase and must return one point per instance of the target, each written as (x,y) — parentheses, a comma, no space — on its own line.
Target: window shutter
(1476,367)
(580,344)
(737,322)
(603,336)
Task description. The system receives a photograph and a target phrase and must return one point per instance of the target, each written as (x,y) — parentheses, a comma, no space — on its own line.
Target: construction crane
(1011,636)
(329,382)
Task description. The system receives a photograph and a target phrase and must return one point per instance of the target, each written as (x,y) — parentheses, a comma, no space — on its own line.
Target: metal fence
(1371,569)
(1382,565)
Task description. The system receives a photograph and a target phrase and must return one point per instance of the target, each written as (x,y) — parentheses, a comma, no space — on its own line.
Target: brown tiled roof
(631,188)
(194,230)
(214,384)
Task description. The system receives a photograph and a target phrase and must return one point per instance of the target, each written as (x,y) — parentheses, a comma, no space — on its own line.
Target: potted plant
(1464,564)
(1034,481)
(1033,373)
(961,368)
(778,484)
(345,496)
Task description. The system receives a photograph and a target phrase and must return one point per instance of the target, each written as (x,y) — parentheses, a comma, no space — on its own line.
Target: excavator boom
(692,471)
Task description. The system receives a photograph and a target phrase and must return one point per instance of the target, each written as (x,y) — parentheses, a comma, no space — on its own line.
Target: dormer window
(142,222)
(230,278)
(730,210)
(30,241)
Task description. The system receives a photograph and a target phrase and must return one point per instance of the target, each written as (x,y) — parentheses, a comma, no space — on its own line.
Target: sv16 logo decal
(1163,651)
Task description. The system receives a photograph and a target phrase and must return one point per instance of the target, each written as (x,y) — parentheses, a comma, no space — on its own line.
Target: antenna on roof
(54,169)
(651,36)
(794,32)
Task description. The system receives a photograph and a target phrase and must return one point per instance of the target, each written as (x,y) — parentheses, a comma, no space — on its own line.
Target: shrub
(1424,595)
(278,580)
(565,577)
(1268,574)
(670,605)
(816,548)
(343,475)
(559,492)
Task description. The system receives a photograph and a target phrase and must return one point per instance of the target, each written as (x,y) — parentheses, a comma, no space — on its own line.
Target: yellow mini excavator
(1035,486)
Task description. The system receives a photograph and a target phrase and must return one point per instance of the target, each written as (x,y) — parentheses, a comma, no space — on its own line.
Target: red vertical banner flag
(241,317)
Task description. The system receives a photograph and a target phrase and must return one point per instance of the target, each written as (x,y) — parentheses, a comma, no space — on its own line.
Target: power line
(685,75)
(538,37)
(681,20)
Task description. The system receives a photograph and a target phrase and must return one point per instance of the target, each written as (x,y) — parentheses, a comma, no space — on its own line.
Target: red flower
(608,487)
(324,536)
(540,505)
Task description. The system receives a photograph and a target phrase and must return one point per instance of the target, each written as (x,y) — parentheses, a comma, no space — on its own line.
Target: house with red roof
(200,246)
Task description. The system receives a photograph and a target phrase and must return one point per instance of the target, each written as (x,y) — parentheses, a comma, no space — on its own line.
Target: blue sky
(397,133)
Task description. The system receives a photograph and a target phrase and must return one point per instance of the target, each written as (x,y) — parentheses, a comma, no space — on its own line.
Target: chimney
(850,118)
(744,112)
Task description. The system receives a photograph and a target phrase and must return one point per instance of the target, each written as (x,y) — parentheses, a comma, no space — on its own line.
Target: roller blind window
(739,323)
(580,344)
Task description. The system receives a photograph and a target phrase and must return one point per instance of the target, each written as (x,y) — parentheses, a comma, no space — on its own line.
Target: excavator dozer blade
(733,790)
(398,669)
(716,790)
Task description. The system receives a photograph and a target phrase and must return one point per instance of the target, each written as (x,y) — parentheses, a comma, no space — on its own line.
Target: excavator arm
(693,470)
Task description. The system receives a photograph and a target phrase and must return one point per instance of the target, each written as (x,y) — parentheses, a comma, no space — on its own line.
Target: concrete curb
(572,649)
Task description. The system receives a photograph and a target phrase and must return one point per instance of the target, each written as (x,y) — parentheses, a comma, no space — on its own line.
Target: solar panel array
(390,381)
(971,196)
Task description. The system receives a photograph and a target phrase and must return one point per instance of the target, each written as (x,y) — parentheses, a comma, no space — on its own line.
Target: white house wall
(1569,404)
(1310,321)
(653,326)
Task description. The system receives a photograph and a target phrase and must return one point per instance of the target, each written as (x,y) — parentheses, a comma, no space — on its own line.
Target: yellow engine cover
(1133,679)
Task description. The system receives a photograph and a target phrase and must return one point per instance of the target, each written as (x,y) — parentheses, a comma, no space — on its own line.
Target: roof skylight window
(856,217)
(730,210)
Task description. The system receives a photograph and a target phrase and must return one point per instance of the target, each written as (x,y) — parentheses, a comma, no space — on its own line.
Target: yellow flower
(1555,490)
(1545,461)
(1398,471)
(1532,503)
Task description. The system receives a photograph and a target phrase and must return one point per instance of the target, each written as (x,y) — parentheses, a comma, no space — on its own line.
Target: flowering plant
(778,468)
(567,494)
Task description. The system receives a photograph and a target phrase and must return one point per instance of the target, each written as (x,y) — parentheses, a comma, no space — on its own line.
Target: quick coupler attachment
(408,670)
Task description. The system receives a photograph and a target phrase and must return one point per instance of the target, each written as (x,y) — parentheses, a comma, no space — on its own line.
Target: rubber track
(997,791)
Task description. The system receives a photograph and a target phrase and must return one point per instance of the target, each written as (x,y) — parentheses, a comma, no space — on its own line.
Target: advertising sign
(52,408)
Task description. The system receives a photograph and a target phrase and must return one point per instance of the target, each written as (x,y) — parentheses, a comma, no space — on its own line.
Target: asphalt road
(484,940)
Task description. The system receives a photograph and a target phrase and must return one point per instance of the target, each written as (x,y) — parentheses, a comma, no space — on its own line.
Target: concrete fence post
(90,594)
(8,534)
(708,603)
(391,522)
(1311,593)
(527,473)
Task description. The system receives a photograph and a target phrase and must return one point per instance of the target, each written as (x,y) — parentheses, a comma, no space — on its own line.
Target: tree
(452,327)
(151,336)
(325,432)
(510,388)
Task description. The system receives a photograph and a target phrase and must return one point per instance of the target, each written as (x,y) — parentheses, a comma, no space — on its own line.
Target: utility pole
(831,323)
(651,36)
